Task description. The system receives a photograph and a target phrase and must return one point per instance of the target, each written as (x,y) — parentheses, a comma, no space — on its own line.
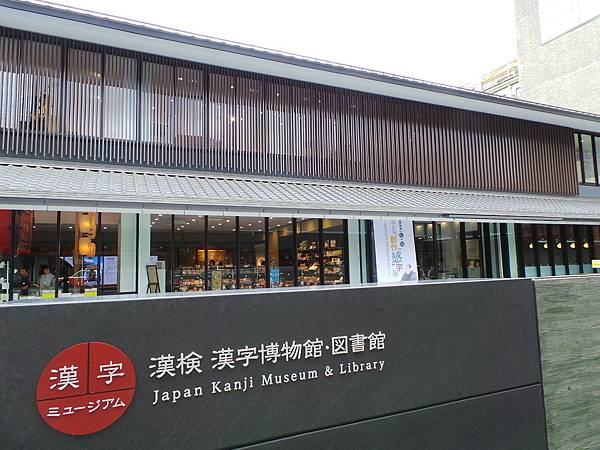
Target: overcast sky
(447,41)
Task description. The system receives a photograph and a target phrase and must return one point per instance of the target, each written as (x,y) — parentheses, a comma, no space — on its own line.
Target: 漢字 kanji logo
(85,388)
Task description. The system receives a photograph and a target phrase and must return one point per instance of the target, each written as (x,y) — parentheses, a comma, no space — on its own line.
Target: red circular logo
(85,388)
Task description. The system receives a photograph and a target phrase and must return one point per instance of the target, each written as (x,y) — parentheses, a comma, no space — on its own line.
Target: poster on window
(395,254)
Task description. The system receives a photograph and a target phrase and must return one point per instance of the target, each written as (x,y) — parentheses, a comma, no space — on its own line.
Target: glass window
(588,158)
(334,250)
(556,249)
(584,243)
(578,157)
(120,102)
(189,112)
(448,239)
(424,247)
(189,266)
(78,254)
(157,103)
(596,242)
(84,90)
(472,250)
(29,85)
(281,252)
(308,252)
(160,248)
(35,256)
(528,247)
(253,264)
(221,253)
(543,251)
(571,245)
(5,249)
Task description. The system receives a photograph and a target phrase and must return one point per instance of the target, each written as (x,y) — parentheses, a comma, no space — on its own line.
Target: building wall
(565,70)
(69,100)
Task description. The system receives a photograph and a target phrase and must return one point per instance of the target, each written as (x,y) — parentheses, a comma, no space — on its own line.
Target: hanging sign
(395,250)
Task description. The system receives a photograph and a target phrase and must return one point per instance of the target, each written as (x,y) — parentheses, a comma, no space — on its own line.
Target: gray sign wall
(458,367)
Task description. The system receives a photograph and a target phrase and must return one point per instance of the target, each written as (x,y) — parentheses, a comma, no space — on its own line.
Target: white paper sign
(395,250)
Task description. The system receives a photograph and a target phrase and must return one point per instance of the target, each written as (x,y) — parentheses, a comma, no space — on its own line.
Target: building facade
(503,80)
(137,159)
(558,56)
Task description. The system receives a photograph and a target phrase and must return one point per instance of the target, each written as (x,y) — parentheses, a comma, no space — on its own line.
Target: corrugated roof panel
(51,184)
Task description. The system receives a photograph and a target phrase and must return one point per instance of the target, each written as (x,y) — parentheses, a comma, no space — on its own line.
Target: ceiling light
(227,220)
(220,224)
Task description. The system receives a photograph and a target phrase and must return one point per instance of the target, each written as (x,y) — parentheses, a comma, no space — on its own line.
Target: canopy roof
(49,186)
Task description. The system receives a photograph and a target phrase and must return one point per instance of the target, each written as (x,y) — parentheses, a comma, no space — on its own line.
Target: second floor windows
(588,159)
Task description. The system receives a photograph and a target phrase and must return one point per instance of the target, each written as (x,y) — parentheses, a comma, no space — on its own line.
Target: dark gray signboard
(240,370)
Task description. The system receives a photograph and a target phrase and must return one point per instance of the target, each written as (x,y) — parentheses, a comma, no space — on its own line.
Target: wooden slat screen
(68,100)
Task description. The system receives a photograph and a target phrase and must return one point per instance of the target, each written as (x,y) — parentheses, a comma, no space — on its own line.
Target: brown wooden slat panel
(71,100)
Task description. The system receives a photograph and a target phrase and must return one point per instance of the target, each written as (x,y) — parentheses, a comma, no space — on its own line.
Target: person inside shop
(23,282)
(409,274)
(91,281)
(47,279)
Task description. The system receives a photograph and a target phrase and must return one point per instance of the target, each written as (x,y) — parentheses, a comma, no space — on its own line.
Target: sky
(446,41)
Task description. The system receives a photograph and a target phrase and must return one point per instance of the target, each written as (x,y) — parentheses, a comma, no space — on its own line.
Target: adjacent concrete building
(558,46)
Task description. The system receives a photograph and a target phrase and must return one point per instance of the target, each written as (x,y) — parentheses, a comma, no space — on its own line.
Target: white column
(354,259)
(143,252)
(127,253)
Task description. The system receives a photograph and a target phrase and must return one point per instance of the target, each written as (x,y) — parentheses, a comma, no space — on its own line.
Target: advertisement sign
(395,250)
(227,371)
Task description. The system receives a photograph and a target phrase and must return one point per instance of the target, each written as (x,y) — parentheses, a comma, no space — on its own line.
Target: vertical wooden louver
(69,100)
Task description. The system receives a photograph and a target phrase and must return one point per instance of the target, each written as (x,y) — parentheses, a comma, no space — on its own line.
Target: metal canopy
(48,186)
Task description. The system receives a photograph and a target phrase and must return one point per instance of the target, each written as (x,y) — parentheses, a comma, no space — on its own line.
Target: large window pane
(424,246)
(253,265)
(160,248)
(29,85)
(281,252)
(596,242)
(221,253)
(189,114)
(543,251)
(528,247)
(35,256)
(556,249)
(188,271)
(84,90)
(120,103)
(334,243)
(472,250)
(78,253)
(571,243)
(157,103)
(308,252)
(578,157)
(585,246)
(448,239)
(588,158)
